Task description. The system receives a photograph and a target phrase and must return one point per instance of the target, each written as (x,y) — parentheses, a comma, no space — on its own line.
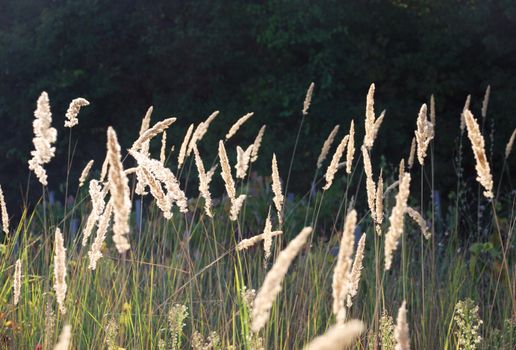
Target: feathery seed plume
(5,216)
(97,203)
(340,337)
(162,153)
(342,269)
(64,338)
(200,131)
(95,252)
(44,137)
(351,147)
(379,203)
(432,110)
(356,270)
(416,216)
(327,145)
(164,203)
(104,169)
(477,144)
(210,173)
(396,219)
(249,242)
(334,164)
(272,284)
(267,236)
(85,172)
(226,171)
(205,125)
(184,146)
(234,128)
(120,193)
(377,124)
(156,129)
(243,158)
(308,98)
(412,153)
(370,185)
(204,183)
(257,143)
(424,134)
(60,270)
(370,116)
(508,147)
(144,148)
(371,125)
(165,176)
(485,101)
(236,203)
(466,107)
(17,282)
(73,111)
(276,188)
(401,332)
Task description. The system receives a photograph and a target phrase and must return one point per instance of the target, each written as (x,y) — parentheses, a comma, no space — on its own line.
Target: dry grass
(168,252)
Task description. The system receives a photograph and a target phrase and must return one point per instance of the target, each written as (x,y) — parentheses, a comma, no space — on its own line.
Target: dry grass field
(146,254)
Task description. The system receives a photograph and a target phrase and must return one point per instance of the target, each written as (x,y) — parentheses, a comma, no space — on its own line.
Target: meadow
(367,258)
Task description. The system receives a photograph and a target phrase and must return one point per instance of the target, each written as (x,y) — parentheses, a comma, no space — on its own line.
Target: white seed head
(308,98)
(477,144)
(17,282)
(272,284)
(327,145)
(341,336)
(60,286)
(396,219)
(85,172)
(234,128)
(5,215)
(44,137)
(184,147)
(256,144)
(73,111)
(401,332)
(120,193)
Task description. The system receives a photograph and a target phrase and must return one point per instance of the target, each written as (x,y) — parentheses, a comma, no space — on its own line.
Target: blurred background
(188,59)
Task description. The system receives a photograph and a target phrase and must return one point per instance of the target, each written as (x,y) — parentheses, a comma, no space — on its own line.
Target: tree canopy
(188,59)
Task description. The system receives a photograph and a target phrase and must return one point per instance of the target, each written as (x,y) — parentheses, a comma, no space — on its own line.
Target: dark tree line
(191,58)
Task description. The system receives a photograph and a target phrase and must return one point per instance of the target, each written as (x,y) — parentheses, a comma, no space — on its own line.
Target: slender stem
(68,167)
(422,252)
(293,154)
(310,194)
(44,210)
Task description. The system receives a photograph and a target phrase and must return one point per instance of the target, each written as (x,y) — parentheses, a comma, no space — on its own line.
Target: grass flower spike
(272,284)
(44,137)
(60,286)
(396,219)
(341,274)
(234,128)
(73,111)
(326,146)
(308,99)
(477,144)
(17,282)
(119,189)
(341,337)
(85,172)
(401,332)
(5,216)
